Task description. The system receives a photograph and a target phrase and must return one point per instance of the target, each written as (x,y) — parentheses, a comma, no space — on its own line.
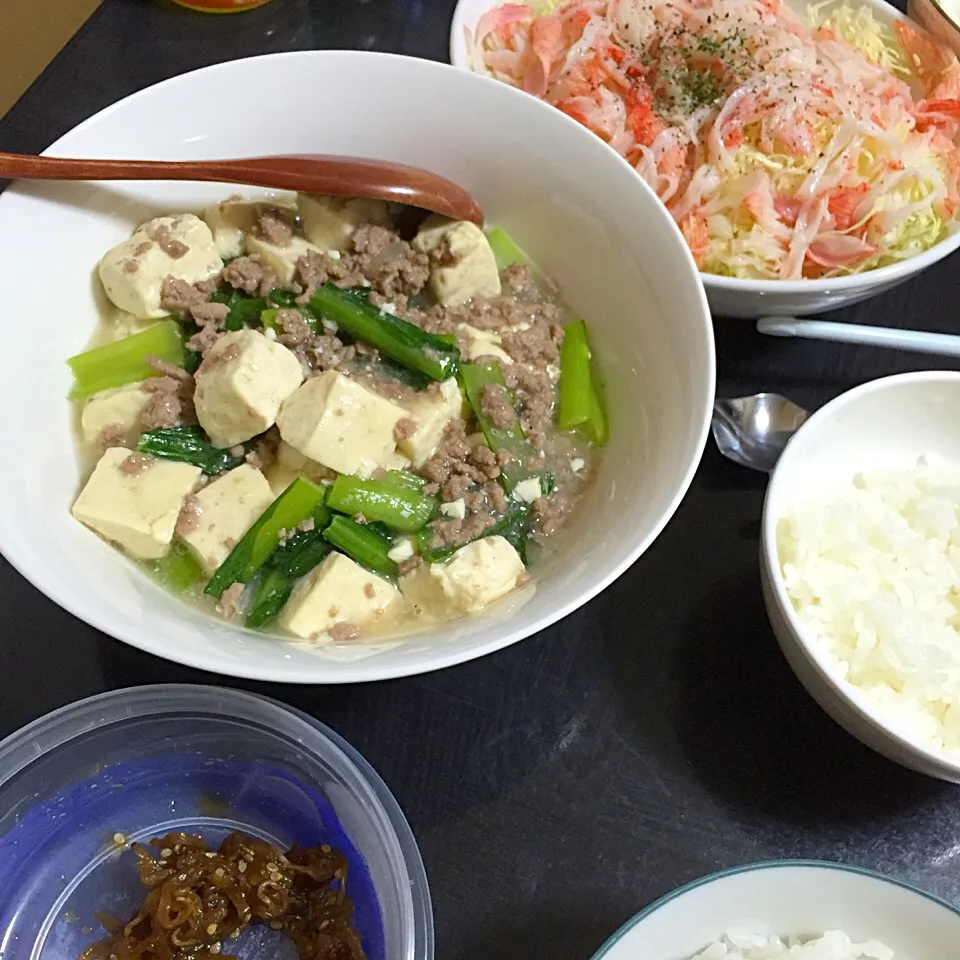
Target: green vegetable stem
(125,361)
(288,511)
(407,344)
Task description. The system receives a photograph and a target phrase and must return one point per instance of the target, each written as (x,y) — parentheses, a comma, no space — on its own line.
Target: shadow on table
(754,737)
(571,933)
(445,741)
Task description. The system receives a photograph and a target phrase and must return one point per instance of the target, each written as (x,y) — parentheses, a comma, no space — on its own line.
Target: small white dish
(890,422)
(575,206)
(802,898)
(751,299)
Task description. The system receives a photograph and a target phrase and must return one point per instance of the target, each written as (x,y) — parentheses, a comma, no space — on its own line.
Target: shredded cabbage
(785,147)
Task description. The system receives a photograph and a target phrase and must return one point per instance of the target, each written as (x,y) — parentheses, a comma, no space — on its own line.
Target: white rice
(757,945)
(873,570)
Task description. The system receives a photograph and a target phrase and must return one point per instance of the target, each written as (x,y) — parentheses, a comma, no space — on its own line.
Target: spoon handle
(944,344)
(329,175)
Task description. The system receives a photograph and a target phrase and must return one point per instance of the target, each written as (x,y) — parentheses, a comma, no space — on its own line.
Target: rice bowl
(881,666)
(789,900)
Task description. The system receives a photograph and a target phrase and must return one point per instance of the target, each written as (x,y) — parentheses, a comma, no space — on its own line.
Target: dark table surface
(655,735)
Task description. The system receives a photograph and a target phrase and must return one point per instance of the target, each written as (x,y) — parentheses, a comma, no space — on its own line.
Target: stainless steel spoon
(753,431)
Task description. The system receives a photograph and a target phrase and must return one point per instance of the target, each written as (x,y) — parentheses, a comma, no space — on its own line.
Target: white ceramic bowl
(604,236)
(729,297)
(790,898)
(888,422)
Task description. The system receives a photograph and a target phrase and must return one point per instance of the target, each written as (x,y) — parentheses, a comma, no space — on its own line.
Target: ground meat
(164,409)
(404,428)
(455,487)
(327,352)
(274,227)
(131,266)
(315,352)
(264,454)
(344,631)
(537,345)
(230,600)
(168,243)
(483,458)
(315,269)
(456,533)
(112,435)
(137,464)
(536,397)
(178,296)
(141,248)
(495,404)
(549,512)
(389,263)
(366,351)
(250,275)
(496,496)
(168,370)
(204,339)
(359,518)
(209,314)
(395,305)
(411,563)
(536,415)
(211,318)
(371,240)
(517,278)
(450,458)
(189,516)
(369,590)
(495,313)
(296,330)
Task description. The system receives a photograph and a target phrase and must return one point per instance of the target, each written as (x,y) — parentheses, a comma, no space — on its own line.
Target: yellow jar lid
(220,6)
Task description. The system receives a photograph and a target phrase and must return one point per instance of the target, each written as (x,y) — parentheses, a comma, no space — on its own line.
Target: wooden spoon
(327,175)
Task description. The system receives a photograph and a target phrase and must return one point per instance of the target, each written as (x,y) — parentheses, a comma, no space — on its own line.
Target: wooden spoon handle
(329,175)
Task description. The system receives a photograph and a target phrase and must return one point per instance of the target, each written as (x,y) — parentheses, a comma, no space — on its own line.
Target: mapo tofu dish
(333,419)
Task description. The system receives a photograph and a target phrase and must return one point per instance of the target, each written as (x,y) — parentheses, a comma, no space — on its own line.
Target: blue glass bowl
(149,761)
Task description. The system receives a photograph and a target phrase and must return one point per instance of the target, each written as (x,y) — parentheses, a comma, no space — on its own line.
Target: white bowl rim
(891,272)
(848,693)
(368,670)
(692,885)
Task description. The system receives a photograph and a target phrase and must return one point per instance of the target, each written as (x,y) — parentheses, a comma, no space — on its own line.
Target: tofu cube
(134,501)
(223,511)
(431,410)
(281,260)
(475,576)
(473,271)
(132,272)
(341,591)
(482,343)
(112,417)
(240,385)
(341,424)
(329,222)
(232,220)
(291,464)
(301,465)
